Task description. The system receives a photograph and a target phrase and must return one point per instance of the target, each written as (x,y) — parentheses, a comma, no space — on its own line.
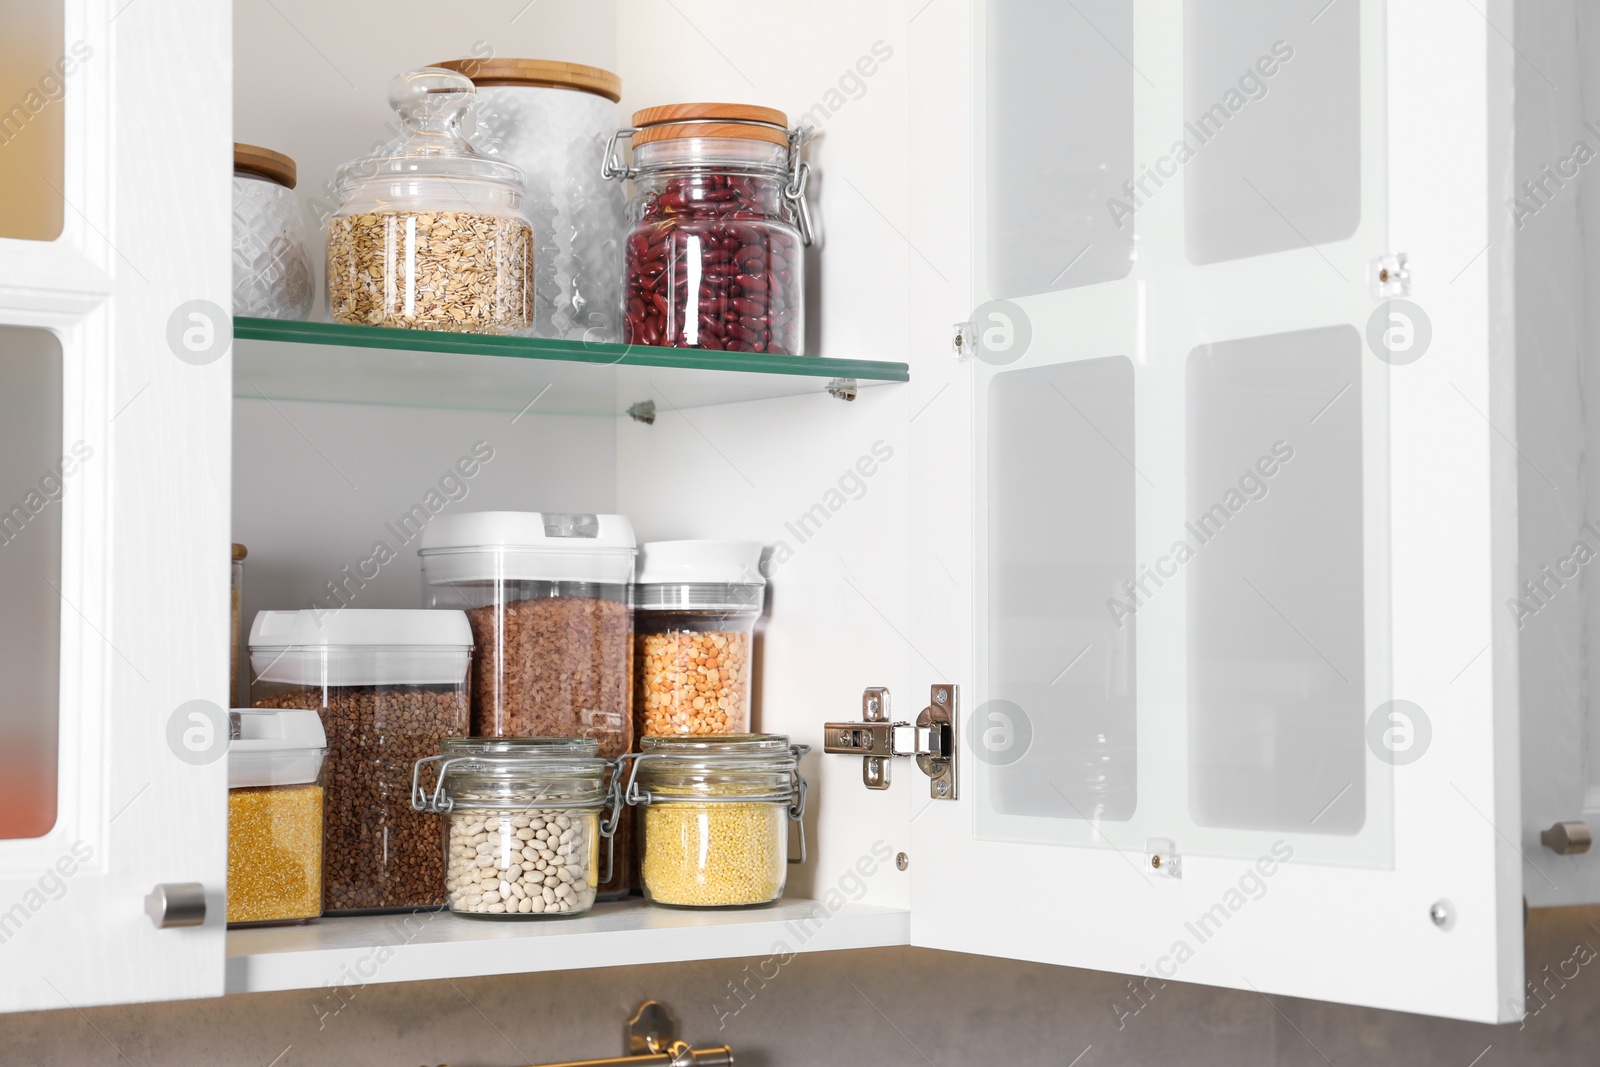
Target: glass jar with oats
(695,604)
(430,234)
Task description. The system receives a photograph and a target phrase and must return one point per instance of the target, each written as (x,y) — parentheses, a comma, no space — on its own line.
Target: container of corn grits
(714,826)
(274,816)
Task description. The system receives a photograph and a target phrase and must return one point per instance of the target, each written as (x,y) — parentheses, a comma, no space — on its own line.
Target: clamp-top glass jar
(716,817)
(717,229)
(523,824)
(430,235)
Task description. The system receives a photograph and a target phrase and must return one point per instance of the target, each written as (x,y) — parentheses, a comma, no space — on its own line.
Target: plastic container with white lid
(546,595)
(275,816)
(696,605)
(390,686)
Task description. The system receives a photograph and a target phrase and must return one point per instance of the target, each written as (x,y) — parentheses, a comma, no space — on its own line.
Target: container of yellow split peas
(715,817)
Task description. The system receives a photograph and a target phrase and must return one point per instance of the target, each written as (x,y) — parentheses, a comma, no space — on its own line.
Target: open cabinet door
(1211,537)
(114,497)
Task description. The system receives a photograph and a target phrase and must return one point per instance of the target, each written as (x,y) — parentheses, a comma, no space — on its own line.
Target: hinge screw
(941,697)
(872,704)
(902,861)
(1155,861)
(941,787)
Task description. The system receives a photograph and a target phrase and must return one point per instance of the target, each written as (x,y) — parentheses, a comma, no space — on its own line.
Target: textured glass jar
(522,824)
(272,273)
(430,234)
(553,120)
(717,227)
(714,832)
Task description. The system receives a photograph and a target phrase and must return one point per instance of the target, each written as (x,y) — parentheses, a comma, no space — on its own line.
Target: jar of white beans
(524,824)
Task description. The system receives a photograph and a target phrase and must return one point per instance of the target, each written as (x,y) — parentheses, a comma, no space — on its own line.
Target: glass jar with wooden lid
(553,119)
(714,255)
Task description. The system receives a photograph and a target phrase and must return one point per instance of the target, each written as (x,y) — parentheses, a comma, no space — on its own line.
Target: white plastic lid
(360,646)
(721,576)
(681,562)
(271,747)
(546,546)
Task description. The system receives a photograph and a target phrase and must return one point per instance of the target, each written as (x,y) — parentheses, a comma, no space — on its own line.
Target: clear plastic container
(275,802)
(547,598)
(390,687)
(714,256)
(553,120)
(273,276)
(429,234)
(714,829)
(523,824)
(695,609)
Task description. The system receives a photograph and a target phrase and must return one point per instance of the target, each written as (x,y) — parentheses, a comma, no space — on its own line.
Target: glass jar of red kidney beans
(716,229)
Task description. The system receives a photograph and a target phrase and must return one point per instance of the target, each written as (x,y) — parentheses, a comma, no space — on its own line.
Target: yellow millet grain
(714,855)
(693,682)
(274,853)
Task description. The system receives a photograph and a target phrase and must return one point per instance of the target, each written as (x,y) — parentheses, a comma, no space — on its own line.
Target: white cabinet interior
(978,525)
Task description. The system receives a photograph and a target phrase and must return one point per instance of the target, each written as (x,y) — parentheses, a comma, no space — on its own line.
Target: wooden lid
(658,123)
(550,73)
(263,163)
(239,552)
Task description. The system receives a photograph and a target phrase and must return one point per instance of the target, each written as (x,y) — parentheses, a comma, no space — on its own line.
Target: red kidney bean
(749,281)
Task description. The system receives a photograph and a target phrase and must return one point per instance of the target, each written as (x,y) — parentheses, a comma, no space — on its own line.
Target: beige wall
(883,1006)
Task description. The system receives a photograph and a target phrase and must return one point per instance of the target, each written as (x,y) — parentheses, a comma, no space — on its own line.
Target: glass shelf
(330,362)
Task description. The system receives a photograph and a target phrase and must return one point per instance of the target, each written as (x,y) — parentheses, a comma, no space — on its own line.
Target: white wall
(311,78)
(1557,244)
(315,484)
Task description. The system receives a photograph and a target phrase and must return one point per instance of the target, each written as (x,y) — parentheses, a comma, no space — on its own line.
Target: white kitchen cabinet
(135,581)
(1186,360)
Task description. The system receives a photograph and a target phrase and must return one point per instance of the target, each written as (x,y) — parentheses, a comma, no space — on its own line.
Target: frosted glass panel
(1272,99)
(1059,146)
(35,67)
(1060,546)
(1276,632)
(33,479)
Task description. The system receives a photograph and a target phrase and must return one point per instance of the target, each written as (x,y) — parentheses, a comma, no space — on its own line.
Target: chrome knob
(1567,838)
(176,904)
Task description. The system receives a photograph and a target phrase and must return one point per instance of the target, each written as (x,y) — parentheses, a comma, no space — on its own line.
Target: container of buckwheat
(390,687)
(546,594)
(430,234)
(695,609)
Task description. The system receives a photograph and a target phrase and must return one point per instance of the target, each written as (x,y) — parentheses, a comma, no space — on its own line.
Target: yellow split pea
(693,682)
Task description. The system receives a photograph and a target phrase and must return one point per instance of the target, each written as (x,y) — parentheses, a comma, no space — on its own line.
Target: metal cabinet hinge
(965,339)
(933,739)
(1391,277)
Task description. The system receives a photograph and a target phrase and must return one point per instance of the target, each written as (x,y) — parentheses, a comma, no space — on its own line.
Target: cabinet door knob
(1567,838)
(176,904)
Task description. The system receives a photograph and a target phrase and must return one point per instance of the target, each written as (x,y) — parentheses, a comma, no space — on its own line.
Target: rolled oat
(431,270)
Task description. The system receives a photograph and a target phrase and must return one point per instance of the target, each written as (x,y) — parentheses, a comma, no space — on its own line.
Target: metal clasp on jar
(613,167)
